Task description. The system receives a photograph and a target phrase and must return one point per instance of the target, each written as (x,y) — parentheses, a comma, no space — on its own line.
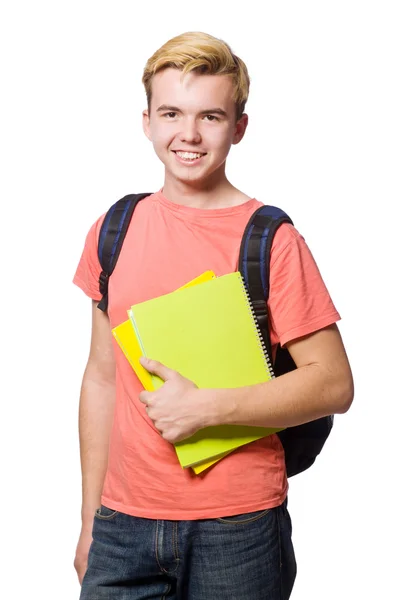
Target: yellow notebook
(209,334)
(127,340)
(200,467)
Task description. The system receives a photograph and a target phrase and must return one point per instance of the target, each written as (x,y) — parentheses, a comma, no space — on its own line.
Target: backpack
(301,443)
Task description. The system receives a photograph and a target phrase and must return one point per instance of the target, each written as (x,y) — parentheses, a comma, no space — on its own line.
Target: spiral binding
(261,341)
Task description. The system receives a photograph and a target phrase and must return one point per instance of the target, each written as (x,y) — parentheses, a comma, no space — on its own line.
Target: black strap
(254,261)
(111,238)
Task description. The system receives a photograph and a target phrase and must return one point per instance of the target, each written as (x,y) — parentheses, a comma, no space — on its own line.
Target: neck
(220,195)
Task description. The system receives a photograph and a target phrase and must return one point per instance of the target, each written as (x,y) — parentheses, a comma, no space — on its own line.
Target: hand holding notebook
(178,407)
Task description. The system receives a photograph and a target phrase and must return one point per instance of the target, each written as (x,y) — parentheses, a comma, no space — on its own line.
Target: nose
(190,131)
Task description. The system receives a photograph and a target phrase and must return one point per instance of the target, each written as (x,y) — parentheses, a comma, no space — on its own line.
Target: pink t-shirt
(166,246)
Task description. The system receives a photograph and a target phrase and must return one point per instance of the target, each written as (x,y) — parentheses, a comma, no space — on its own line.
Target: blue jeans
(244,557)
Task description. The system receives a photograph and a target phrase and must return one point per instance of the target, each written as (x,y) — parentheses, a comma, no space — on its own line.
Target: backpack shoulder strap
(254,260)
(111,238)
(301,443)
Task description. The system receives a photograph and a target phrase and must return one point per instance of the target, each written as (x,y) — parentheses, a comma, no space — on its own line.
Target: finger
(171,436)
(145,397)
(157,368)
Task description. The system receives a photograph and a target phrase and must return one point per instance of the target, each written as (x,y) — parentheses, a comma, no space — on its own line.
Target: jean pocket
(244,518)
(105,513)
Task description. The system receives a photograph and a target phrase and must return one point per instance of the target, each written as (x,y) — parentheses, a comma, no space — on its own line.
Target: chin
(187,176)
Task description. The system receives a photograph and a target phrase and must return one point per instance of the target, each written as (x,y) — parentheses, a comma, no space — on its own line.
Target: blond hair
(204,54)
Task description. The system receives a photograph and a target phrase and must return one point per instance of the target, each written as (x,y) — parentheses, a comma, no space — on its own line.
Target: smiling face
(192,125)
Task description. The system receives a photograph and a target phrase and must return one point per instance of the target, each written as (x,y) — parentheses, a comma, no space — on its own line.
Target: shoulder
(290,257)
(286,237)
(286,234)
(94,230)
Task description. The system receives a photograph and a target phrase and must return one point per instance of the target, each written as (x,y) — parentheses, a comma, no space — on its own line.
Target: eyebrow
(209,111)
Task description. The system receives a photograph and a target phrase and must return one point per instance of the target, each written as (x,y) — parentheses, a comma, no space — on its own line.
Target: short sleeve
(299,302)
(89,268)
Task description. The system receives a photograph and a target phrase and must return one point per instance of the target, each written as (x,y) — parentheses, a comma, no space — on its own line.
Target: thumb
(157,368)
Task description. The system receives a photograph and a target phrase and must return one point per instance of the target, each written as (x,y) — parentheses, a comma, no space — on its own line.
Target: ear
(146,123)
(240,128)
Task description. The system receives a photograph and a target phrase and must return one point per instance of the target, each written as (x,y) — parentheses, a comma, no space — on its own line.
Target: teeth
(189,155)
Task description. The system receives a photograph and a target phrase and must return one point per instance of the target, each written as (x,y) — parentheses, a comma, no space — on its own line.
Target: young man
(149,528)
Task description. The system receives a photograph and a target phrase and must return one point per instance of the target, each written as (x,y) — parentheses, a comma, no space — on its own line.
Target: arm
(321,385)
(95,421)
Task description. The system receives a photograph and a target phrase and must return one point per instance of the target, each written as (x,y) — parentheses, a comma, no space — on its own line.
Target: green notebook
(209,334)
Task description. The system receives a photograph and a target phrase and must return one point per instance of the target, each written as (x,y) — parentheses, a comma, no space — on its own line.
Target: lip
(192,151)
(188,163)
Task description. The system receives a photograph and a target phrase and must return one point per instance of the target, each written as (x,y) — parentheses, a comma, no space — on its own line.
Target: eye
(170,115)
(211,117)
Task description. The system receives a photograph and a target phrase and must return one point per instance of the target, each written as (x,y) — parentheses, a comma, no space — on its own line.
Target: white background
(321,144)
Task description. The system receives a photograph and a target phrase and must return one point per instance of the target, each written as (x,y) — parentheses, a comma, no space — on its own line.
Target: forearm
(95,422)
(302,395)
